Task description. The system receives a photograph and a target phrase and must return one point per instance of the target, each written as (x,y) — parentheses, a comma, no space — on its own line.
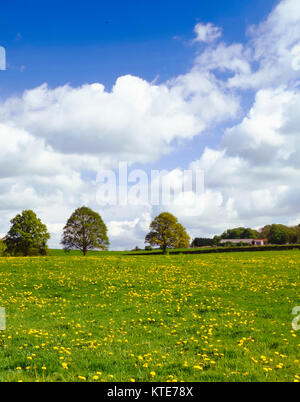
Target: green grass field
(112,317)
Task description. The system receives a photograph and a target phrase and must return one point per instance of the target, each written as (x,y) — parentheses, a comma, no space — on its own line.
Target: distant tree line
(203,242)
(85,231)
(275,234)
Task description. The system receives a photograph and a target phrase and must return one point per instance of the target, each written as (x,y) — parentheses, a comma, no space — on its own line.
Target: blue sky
(99,41)
(95,41)
(208,85)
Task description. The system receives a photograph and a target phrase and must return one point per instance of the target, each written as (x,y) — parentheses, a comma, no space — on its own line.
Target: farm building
(253,242)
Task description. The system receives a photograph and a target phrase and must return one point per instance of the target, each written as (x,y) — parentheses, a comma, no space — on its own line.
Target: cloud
(235,58)
(261,137)
(48,137)
(252,178)
(257,167)
(136,121)
(270,57)
(274,45)
(129,234)
(207,33)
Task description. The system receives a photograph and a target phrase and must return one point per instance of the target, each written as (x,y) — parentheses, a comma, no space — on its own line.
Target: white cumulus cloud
(207,33)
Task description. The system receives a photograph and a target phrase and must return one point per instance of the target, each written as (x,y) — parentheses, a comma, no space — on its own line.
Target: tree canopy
(2,248)
(167,232)
(240,233)
(27,235)
(281,234)
(85,230)
(202,242)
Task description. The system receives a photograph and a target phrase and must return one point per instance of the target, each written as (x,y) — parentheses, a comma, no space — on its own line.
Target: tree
(217,240)
(293,235)
(85,230)
(296,230)
(2,248)
(202,242)
(183,238)
(27,235)
(166,232)
(280,234)
(240,233)
(265,232)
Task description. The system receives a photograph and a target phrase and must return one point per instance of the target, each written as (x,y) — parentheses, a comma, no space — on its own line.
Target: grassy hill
(218,317)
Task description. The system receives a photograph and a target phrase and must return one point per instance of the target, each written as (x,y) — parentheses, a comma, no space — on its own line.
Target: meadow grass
(112,317)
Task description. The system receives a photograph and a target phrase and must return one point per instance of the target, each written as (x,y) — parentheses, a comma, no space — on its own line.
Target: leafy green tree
(202,242)
(280,234)
(2,248)
(183,238)
(240,233)
(166,232)
(27,235)
(296,230)
(293,235)
(85,230)
(217,240)
(265,232)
